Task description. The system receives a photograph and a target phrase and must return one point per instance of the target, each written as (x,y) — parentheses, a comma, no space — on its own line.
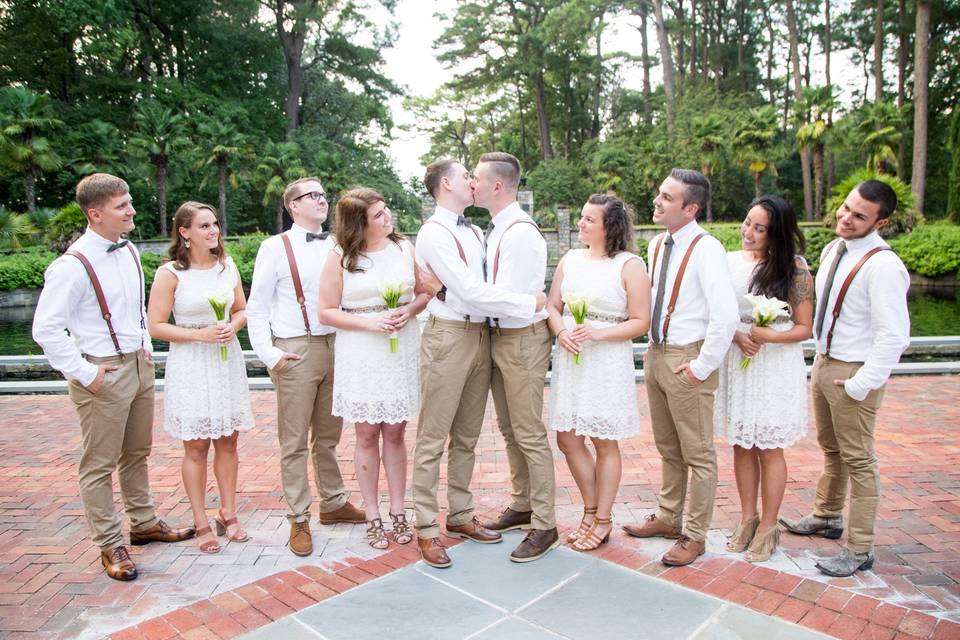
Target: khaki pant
(845,433)
(520,360)
(455,381)
(682,417)
(116,425)
(304,401)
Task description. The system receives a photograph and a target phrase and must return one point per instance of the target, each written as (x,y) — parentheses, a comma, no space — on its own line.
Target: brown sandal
(591,540)
(581,531)
(401,528)
(744,533)
(210,546)
(224,524)
(763,545)
(376,536)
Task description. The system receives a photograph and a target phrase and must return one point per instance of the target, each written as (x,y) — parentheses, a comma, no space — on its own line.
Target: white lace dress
(204,396)
(764,405)
(371,384)
(598,397)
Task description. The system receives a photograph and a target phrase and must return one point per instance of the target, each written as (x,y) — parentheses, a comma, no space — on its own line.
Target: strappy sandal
(401,528)
(742,536)
(763,545)
(210,546)
(581,531)
(591,540)
(223,528)
(376,536)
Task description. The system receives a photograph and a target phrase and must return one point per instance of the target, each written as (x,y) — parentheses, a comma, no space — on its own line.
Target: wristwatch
(442,294)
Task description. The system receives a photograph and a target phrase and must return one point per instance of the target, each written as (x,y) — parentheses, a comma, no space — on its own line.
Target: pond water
(930,315)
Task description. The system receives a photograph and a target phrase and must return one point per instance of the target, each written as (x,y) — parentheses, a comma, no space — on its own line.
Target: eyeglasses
(316,196)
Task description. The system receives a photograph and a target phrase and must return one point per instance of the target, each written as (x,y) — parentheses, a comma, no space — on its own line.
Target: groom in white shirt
(859,339)
(693,321)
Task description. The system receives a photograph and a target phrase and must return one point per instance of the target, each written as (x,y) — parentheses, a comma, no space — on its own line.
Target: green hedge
(931,250)
(24,269)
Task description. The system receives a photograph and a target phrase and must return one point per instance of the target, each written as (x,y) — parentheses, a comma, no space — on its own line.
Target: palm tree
(754,143)
(25,119)
(160,133)
(279,164)
(223,143)
(921,90)
(881,126)
(98,146)
(811,111)
(709,136)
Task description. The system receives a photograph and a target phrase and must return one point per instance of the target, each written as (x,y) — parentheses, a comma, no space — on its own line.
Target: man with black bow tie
(285,331)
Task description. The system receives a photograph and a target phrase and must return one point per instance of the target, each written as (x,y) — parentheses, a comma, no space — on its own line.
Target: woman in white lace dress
(375,387)
(205,396)
(597,398)
(762,409)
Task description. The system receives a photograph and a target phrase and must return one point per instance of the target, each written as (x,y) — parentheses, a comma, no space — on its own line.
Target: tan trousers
(455,381)
(682,417)
(304,401)
(116,425)
(520,360)
(845,433)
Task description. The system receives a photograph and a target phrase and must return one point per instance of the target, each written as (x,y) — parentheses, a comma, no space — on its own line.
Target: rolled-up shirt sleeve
(890,326)
(63,289)
(262,290)
(721,305)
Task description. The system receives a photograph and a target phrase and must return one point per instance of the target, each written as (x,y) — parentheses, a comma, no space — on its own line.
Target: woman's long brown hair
(178,251)
(351,225)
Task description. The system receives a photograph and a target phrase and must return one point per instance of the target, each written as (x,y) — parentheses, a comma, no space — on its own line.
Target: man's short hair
(96,188)
(295,189)
(436,171)
(505,167)
(879,193)
(696,187)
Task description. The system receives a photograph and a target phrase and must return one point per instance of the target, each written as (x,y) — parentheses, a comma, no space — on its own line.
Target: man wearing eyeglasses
(284,328)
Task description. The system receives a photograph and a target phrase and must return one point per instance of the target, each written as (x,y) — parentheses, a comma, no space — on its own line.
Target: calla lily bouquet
(577,303)
(391,290)
(765,312)
(218,300)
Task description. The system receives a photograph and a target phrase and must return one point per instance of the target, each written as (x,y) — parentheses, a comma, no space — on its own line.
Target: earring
(186,242)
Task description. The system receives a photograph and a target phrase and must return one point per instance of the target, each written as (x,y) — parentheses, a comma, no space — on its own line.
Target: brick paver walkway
(52,585)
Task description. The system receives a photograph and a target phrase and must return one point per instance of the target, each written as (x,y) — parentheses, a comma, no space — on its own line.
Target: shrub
(24,270)
(66,226)
(559,181)
(902,220)
(244,254)
(16,230)
(931,249)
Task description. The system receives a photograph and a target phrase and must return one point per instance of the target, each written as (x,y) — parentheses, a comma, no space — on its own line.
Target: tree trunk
(666,61)
(546,147)
(920,94)
(292,42)
(279,214)
(818,181)
(797,92)
(222,187)
(645,54)
(161,165)
(827,51)
(693,39)
(902,81)
(705,170)
(598,85)
(878,53)
(772,39)
(30,189)
(757,177)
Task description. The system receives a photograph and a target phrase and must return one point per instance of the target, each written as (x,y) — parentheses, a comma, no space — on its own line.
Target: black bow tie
(117,245)
(463,221)
(317,236)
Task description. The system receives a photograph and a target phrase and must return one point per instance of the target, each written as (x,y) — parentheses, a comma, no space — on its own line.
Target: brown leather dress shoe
(161,532)
(118,564)
(685,551)
(300,541)
(537,544)
(434,553)
(475,531)
(346,513)
(651,527)
(509,520)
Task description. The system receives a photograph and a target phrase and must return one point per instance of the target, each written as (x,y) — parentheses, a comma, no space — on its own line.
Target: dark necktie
(486,236)
(661,286)
(463,221)
(825,296)
(117,245)
(317,236)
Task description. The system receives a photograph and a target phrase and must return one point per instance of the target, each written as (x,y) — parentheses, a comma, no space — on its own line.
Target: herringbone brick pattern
(52,585)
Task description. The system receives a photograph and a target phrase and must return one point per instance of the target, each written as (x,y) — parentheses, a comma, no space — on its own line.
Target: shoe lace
(683,540)
(302,527)
(121,554)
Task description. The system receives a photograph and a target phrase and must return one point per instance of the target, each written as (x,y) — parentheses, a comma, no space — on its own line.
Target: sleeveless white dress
(204,396)
(598,397)
(764,405)
(371,384)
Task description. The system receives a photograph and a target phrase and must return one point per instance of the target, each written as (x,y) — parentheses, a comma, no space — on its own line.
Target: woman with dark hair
(593,391)
(205,396)
(376,379)
(762,408)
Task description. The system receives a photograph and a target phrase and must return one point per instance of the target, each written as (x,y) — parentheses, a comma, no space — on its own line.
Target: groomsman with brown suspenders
(863,285)
(96,292)
(285,331)
(689,338)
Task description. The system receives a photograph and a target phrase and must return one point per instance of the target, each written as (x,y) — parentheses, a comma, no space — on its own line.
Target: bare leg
(226,465)
(194,473)
(366,460)
(746,469)
(395,464)
(581,464)
(608,480)
(773,473)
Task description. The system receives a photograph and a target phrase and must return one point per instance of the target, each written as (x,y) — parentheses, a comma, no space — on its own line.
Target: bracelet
(562,330)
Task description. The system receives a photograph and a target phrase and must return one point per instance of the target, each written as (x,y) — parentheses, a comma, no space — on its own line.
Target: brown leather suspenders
(496,257)
(843,292)
(102,300)
(463,256)
(297,285)
(676,283)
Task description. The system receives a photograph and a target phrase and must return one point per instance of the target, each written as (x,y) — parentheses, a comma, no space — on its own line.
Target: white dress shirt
(273,309)
(68,303)
(874,326)
(523,260)
(468,296)
(706,307)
